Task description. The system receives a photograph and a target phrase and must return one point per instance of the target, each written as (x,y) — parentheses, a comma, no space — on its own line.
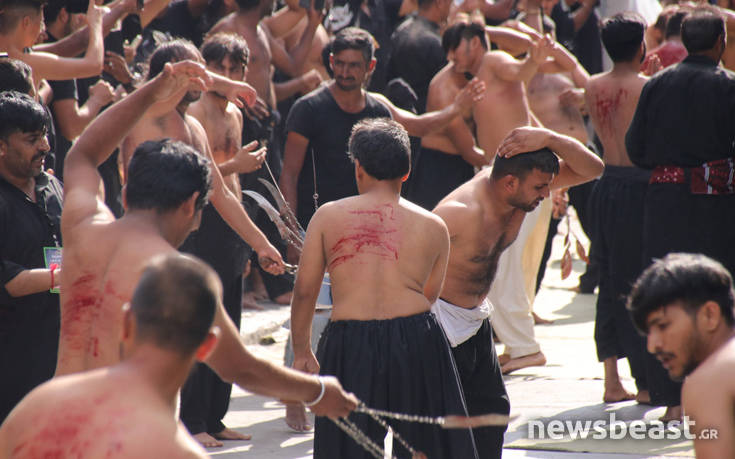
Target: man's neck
(349,99)
(215,100)
(248,18)
(25,184)
(431,14)
(9,42)
(624,68)
(182,108)
(495,202)
(152,221)
(56,30)
(720,339)
(164,372)
(382,189)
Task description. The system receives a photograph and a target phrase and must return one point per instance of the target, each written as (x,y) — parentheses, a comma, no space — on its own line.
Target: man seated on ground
(167,188)
(128,410)
(386,259)
(484,217)
(684,305)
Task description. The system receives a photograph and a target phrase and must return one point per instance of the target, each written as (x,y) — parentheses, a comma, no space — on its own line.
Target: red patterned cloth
(713,177)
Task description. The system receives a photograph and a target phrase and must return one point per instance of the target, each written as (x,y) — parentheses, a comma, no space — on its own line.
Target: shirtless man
(484,217)
(127,410)
(611,98)
(684,305)
(205,398)
(104,257)
(386,259)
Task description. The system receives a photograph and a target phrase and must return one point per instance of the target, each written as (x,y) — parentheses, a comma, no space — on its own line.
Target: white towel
(460,324)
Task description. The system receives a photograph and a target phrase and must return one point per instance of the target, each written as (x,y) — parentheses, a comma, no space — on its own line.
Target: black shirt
(585,43)
(178,21)
(417,55)
(685,116)
(318,117)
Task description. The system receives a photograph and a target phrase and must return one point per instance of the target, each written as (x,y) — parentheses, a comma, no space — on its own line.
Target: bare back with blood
(612,98)
(379,254)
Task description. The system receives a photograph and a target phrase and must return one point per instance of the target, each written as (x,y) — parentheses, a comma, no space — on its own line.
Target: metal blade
(286,211)
(465,422)
(286,233)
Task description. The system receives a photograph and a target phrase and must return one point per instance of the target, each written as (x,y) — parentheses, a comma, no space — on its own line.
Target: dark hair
(11,11)
(20,113)
(247,5)
(220,45)
(176,50)
(673,25)
(164,173)
(692,279)
(461,30)
(382,147)
(425,3)
(701,29)
(522,164)
(354,38)
(663,17)
(15,75)
(174,303)
(622,35)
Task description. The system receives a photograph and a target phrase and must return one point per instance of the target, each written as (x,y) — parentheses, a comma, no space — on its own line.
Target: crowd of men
(417,142)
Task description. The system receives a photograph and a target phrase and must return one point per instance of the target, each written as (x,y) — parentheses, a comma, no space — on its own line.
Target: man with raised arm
(127,410)
(104,257)
(484,217)
(386,259)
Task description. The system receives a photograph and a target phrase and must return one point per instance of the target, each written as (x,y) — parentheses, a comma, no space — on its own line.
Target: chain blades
(275,217)
(285,209)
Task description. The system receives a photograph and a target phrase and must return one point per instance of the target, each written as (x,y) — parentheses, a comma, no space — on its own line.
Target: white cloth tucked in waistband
(460,324)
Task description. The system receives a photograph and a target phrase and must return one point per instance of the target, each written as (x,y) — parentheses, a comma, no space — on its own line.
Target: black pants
(618,239)
(675,220)
(579,199)
(484,389)
(205,398)
(402,365)
(436,175)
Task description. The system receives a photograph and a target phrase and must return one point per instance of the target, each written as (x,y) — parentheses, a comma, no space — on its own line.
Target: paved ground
(568,388)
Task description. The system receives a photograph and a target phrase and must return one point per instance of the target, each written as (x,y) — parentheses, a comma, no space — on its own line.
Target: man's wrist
(318,398)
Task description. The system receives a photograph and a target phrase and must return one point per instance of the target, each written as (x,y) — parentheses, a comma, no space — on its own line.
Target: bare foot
(503,359)
(643,397)
(284,298)
(615,393)
(296,417)
(673,413)
(207,440)
(539,321)
(248,302)
(229,434)
(533,360)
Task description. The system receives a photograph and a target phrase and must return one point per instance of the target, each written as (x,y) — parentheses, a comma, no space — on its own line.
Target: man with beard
(484,217)
(684,305)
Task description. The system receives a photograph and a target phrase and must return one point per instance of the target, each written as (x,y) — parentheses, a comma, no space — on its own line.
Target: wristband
(319,397)
(52,267)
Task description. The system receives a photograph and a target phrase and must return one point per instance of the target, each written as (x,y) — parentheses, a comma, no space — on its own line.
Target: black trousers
(675,220)
(402,365)
(436,175)
(618,239)
(484,389)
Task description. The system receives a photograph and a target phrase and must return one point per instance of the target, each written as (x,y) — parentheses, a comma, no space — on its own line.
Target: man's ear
(208,345)
(510,183)
(189,206)
(371,65)
(63,16)
(709,315)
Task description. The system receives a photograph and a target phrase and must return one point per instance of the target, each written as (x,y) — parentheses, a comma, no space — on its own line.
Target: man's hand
(522,140)
(239,93)
(336,403)
(473,92)
(94,16)
(102,92)
(653,65)
(541,49)
(270,260)
(248,159)
(559,202)
(573,97)
(180,76)
(310,81)
(116,66)
(306,363)
(259,110)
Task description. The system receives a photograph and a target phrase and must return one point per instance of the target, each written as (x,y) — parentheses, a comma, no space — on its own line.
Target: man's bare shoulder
(226,24)
(720,366)
(422,215)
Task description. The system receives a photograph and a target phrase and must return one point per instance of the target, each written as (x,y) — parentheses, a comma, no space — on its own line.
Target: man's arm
(635,138)
(97,142)
(433,286)
(583,13)
(30,281)
(292,62)
(72,119)
(509,40)
(507,68)
(710,408)
(293,161)
(421,125)
(577,163)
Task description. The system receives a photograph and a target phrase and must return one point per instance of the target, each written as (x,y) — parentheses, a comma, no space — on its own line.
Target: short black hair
(673,25)
(164,173)
(692,279)
(172,51)
(11,11)
(622,35)
(15,75)
(20,113)
(382,147)
(247,5)
(175,302)
(701,29)
(220,45)
(522,164)
(454,34)
(354,38)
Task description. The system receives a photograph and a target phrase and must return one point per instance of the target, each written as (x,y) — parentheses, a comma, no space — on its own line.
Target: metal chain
(395,433)
(362,408)
(360,437)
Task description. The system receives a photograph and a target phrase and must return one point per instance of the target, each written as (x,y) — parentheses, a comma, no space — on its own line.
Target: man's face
(23,153)
(532,189)
(463,57)
(228,68)
(674,340)
(350,69)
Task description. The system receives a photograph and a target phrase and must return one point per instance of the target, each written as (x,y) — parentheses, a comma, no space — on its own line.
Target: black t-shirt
(585,43)
(417,56)
(179,22)
(318,117)
(685,116)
